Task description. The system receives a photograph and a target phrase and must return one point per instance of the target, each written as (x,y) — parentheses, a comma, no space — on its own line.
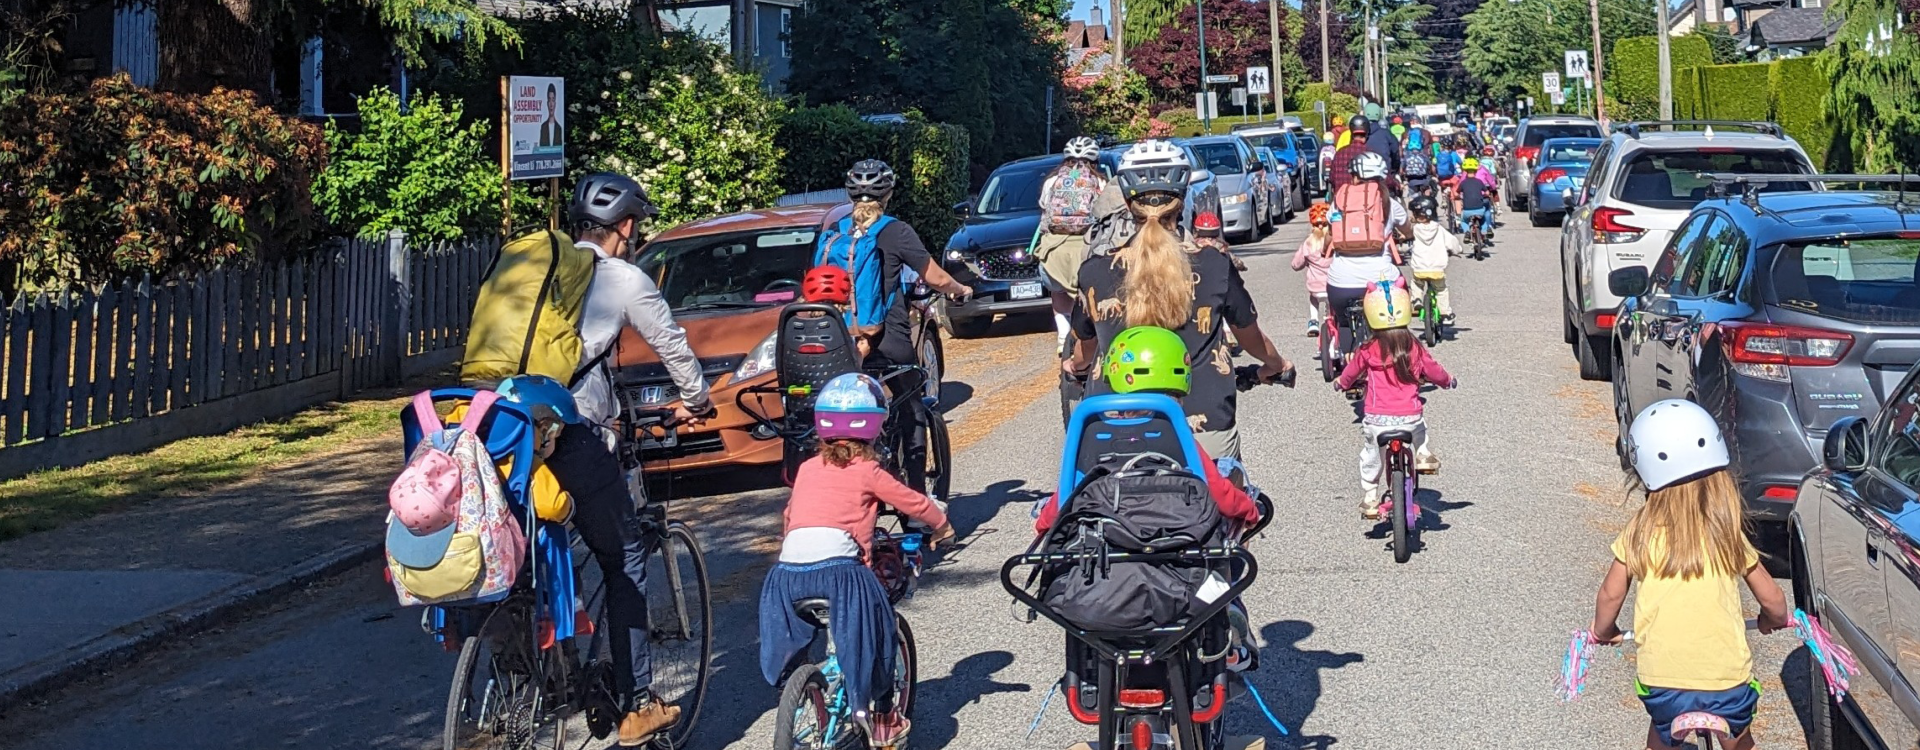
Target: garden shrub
(932,164)
(1633,72)
(1793,85)
(820,143)
(931,159)
(117,180)
(1735,92)
(419,171)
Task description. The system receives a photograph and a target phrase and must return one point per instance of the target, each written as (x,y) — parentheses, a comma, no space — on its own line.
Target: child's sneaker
(1426,463)
(1370,511)
(1313,329)
(887,729)
(1446,319)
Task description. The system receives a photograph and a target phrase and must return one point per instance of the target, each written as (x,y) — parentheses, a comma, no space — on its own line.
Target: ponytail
(1158,286)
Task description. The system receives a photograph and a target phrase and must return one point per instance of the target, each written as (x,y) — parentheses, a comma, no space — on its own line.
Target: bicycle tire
(939,457)
(1398,475)
(1430,318)
(458,729)
(906,668)
(805,689)
(675,619)
(1328,345)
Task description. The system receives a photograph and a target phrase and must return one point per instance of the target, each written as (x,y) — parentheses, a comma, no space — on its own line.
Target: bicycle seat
(1404,436)
(813,610)
(1096,433)
(1699,722)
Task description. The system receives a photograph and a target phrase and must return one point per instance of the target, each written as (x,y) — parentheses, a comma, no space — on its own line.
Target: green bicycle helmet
(1147,359)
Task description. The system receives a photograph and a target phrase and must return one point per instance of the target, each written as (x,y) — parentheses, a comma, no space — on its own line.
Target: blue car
(1561,170)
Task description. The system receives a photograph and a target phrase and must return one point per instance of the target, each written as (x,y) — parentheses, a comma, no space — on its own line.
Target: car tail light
(1779,492)
(1765,351)
(1549,175)
(1607,229)
(1526,153)
(1604,321)
(1143,698)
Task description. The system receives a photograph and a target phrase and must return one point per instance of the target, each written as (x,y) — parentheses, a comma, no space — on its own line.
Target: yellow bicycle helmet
(1388,306)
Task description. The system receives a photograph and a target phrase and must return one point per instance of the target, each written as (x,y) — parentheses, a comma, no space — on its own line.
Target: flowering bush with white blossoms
(696,132)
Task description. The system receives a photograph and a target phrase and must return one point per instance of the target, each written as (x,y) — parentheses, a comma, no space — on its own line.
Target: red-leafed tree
(1236,38)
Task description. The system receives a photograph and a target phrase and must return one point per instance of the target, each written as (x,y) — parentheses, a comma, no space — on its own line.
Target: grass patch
(46,499)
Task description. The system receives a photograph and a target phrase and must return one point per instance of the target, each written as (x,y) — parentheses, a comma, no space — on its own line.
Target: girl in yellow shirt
(1688,550)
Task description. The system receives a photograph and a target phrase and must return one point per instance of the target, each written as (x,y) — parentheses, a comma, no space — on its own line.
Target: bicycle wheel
(801,720)
(1399,482)
(1430,320)
(495,703)
(906,666)
(680,619)
(939,457)
(1328,346)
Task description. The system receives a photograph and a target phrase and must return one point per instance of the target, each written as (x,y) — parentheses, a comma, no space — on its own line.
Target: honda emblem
(653,394)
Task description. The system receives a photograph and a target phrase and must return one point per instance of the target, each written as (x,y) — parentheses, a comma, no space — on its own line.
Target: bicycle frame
(1400,455)
(799,434)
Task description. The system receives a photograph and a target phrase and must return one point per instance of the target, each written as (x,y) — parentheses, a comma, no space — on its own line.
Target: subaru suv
(1525,155)
(1641,186)
(1780,313)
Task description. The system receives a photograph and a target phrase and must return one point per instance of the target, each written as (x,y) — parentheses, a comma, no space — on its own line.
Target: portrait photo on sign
(553,130)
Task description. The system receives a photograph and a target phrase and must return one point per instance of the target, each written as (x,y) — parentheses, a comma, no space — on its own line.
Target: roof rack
(1632,129)
(1750,184)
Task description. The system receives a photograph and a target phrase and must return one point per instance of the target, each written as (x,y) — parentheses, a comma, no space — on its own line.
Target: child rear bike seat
(814,346)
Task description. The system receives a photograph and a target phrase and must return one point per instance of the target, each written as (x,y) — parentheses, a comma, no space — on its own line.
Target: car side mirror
(1631,281)
(963,209)
(1845,448)
(1196,175)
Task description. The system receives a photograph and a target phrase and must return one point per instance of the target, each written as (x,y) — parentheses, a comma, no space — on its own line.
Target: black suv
(992,250)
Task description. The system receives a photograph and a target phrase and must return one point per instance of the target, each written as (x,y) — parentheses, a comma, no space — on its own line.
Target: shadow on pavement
(1289,679)
(1795,681)
(1432,506)
(934,718)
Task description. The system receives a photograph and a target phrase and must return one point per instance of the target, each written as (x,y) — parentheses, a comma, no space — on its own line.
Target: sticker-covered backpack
(451,534)
(1069,205)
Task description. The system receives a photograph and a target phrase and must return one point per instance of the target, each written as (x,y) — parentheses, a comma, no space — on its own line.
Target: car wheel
(1542,220)
(1569,331)
(1265,224)
(970,328)
(1827,725)
(1592,367)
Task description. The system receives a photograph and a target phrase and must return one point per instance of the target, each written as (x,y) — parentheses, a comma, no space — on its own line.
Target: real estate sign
(536,127)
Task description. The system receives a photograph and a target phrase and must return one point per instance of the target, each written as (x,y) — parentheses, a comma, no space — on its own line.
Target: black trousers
(1338,298)
(892,352)
(603,513)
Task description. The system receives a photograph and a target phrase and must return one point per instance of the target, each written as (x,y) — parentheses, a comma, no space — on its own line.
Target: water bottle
(910,551)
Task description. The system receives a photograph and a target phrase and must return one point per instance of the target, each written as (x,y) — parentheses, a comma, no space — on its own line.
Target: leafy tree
(1147,18)
(1237,36)
(1875,73)
(1725,46)
(1446,27)
(420,170)
(1115,103)
(1508,45)
(1345,66)
(844,51)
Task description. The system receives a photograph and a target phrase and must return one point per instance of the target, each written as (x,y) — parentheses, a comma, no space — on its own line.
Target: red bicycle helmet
(830,284)
(1206,221)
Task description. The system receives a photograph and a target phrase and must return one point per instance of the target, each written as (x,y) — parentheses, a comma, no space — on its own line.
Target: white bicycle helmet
(1369,166)
(1154,167)
(1082,147)
(1673,440)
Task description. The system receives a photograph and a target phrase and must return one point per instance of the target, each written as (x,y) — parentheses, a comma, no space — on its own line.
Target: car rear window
(1670,179)
(1219,158)
(1437,119)
(1582,151)
(1539,133)
(1863,280)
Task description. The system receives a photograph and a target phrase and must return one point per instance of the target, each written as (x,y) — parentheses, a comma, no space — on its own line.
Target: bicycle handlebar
(1245,377)
(1626,636)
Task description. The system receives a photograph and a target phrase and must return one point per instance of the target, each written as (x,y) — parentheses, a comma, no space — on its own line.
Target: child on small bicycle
(1432,246)
(828,534)
(1688,549)
(1315,257)
(1394,365)
(1473,197)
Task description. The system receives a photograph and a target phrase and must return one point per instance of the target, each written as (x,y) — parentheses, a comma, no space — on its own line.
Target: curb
(136,639)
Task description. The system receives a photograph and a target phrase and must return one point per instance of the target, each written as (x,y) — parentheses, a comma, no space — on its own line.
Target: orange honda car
(727,279)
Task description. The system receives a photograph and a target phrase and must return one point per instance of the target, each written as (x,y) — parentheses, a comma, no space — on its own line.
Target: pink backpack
(1359,218)
(1069,205)
(451,535)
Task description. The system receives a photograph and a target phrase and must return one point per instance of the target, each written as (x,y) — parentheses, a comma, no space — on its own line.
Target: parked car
(1526,151)
(1236,172)
(1853,543)
(726,279)
(1780,313)
(1281,187)
(1563,171)
(1641,186)
(991,251)
(1308,144)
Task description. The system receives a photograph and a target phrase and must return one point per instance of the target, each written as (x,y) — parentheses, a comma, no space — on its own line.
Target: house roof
(1082,36)
(1793,27)
(1089,62)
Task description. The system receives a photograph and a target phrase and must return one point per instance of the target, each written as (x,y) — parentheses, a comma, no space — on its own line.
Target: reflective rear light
(1607,228)
(1549,175)
(1143,698)
(1779,492)
(1604,321)
(813,348)
(1766,351)
(1142,735)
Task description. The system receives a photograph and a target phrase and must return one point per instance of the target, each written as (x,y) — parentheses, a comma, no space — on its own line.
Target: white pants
(1371,428)
(1316,308)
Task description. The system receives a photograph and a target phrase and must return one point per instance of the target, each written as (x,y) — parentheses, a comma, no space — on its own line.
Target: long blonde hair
(1158,286)
(865,213)
(1701,524)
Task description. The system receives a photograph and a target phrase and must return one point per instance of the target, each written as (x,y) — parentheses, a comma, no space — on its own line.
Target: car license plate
(1026,290)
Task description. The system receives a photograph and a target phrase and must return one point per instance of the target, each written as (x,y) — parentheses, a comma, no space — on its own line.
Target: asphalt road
(1457,648)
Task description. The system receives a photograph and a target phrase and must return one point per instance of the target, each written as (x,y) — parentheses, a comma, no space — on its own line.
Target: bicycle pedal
(1426,472)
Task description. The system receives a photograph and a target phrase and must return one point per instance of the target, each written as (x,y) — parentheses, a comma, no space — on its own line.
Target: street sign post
(1259,82)
(1239,97)
(1206,105)
(1550,82)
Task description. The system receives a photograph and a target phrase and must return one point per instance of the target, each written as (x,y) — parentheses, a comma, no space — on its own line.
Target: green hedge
(1736,92)
(1795,87)
(1686,94)
(1633,72)
(822,142)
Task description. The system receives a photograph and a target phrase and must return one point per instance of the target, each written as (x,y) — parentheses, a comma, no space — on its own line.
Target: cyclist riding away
(828,535)
(1472,198)
(1067,202)
(1433,245)
(878,249)
(1315,256)
(1340,170)
(1157,279)
(1354,271)
(1688,549)
(1393,365)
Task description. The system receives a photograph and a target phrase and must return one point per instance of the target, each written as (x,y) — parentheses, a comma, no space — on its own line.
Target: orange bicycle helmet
(830,284)
(1319,213)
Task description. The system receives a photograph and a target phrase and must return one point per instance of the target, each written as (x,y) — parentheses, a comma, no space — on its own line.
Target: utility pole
(1117,36)
(1599,64)
(1200,20)
(1386,95)
(1666,60)
(1273,44)
(1326,55)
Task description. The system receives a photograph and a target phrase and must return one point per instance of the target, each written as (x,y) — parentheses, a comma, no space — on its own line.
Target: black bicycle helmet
(870,180)
(1423,205)
(1360,125)
(603,199)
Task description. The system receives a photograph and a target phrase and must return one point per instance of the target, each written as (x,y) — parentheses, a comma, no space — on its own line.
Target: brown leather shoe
(640,726)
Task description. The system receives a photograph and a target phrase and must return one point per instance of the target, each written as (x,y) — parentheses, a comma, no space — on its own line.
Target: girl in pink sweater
(1393,365)
(1314,256)
(823,552)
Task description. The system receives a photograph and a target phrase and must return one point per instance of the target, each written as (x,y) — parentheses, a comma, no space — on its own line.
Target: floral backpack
(451,534)
(1069,205)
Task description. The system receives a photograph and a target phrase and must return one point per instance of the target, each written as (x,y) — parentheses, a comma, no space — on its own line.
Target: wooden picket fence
(100,371)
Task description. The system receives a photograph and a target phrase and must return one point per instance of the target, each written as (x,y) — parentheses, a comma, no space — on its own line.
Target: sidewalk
(95,593)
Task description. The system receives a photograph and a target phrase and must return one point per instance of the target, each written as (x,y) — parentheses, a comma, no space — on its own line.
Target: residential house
(1089,47)
(762,43)
(1692,14)
(1789,32)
